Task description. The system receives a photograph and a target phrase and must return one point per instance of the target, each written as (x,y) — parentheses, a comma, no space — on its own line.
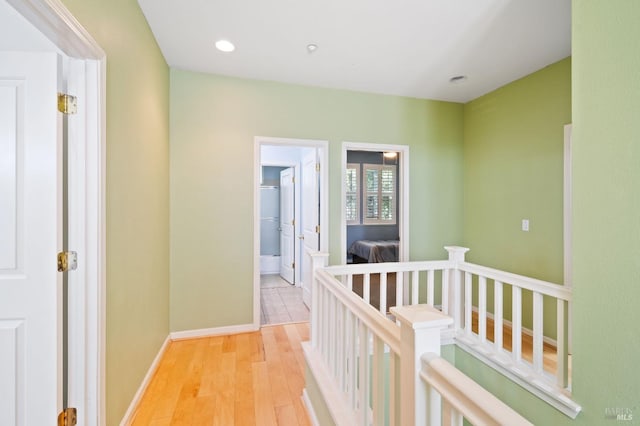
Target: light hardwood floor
(247,379)
(243,379)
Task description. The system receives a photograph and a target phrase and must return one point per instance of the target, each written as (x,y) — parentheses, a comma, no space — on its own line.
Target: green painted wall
(513,170)
(214,121)
(606,206)
(137,197)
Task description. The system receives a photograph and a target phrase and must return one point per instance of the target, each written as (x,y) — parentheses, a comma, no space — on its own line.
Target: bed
(370,251)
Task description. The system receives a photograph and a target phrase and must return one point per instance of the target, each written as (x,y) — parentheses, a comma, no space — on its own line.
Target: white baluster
(516,323)
(538,322)
(394,390)
(497,315)
(350,282)
(431,287)
(331,359)
(353,362)
(482,308)
(378,382)
(366,288)
(340,343)
(445,292)
(457,303)
(415,287)
(562,372)
(383,293)
(363,373)
(468,303)
(399,289)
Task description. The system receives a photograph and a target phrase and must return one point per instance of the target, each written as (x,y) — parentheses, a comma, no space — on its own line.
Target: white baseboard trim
(128,416)
(309,406)
(525,330)
(216,331)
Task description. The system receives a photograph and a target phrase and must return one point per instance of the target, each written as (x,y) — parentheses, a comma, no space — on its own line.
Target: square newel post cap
(319,258)
(456,253)
(421,316)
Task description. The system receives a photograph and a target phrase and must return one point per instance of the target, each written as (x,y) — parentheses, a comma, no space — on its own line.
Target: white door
(310,218)
(30,235)
(287,225)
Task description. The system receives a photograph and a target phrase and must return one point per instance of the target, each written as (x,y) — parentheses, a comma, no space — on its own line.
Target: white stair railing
(451,285)
(461,398)
(367,367)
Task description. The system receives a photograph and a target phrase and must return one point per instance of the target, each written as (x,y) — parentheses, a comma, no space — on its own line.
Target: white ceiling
(402,47)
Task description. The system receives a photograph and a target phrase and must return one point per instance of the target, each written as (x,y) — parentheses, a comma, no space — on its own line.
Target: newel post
(420,328)
(456,301)
(317,260)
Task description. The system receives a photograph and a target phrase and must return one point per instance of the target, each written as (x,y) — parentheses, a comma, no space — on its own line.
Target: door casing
(86,190)
(403,196)
(323,154)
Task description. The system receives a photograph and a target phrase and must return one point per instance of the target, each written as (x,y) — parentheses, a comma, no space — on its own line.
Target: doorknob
(301,237)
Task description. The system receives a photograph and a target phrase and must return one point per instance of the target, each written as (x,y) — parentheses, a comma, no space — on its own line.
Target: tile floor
(280,302)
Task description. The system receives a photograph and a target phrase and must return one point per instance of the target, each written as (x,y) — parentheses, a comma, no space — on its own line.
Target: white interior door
(287,225)
(30,235)
(310,218)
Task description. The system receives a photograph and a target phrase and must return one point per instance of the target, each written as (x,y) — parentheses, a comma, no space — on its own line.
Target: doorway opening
(375,203)
(290,211)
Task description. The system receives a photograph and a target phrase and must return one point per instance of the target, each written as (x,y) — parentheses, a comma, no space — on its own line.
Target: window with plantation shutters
(352,191)
(379,194)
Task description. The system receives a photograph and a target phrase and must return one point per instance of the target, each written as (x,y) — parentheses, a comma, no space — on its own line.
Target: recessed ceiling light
(311,47)
(225,46)
(458,79)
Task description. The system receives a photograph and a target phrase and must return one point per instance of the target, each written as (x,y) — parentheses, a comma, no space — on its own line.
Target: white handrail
(374,268)
(466,397)
(385,329)
(548,289)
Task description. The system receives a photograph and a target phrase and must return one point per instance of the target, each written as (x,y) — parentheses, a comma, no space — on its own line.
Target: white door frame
(568,224)
(323,155)
(87,78)
(403,197)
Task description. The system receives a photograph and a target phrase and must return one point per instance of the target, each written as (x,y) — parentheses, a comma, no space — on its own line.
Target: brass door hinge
(68,417)
(67,104)
(317,229)
(317,167)
(67,261)
(293,265)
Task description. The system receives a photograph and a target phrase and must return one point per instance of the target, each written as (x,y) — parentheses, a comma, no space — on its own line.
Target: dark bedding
(376,251)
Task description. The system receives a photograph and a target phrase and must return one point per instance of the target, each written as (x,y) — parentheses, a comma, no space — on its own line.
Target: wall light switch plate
(525,225)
